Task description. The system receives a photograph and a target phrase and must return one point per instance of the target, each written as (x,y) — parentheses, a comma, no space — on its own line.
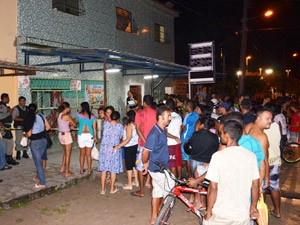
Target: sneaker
(127,187)
(18,157)
(6,167)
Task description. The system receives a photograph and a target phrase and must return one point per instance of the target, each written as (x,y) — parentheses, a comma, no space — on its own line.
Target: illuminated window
(160,33)
(124,20)
(67,6)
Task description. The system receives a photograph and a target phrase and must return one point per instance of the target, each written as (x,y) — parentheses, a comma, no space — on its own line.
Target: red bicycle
(177,192)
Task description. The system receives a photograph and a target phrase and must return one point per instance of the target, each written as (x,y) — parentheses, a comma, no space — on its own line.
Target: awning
(14,69)
(127,62)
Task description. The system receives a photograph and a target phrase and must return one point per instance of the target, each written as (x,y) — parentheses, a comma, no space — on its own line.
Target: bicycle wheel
(165,210)
(291,152)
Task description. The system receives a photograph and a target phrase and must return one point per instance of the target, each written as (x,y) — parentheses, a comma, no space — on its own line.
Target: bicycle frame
(179,190)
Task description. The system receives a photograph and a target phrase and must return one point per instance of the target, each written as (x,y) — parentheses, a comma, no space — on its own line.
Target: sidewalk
(17,182)
(17,185)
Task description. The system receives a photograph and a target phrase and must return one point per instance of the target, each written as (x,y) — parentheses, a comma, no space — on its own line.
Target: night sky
(271,41)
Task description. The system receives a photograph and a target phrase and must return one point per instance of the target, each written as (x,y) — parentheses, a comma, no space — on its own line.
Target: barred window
(159,33)
(124,20)
(67,6)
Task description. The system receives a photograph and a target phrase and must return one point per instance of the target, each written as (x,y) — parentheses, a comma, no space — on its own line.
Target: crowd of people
(234,146)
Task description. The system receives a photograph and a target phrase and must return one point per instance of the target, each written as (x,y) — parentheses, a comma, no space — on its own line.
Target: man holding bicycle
(156,151)
(234,178)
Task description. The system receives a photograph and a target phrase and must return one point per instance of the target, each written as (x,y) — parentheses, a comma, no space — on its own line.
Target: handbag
(95,153)
(263,211)
(49,141)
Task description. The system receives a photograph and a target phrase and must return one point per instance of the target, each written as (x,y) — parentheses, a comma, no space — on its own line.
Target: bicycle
(177,192)
(290,153)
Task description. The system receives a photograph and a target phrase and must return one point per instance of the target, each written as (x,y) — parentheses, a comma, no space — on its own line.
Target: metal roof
(14,69)
(130,64)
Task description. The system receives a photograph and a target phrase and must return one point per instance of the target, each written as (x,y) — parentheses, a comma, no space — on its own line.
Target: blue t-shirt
(189,123)
(253,145)
(158,145)
(84,120)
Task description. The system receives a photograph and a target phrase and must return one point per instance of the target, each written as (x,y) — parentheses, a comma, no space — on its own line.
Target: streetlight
(288,72)
(260,69)
(239,73)
(295,54)
(269,13)
(247,63)
(269,71)
(244,44)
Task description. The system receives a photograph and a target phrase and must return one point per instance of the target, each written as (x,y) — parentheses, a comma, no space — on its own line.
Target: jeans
(38,148)
(2,154)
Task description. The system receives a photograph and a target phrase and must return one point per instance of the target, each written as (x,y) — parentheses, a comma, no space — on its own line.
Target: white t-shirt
(234,169)
(281,118)
(274,136)
(174,127)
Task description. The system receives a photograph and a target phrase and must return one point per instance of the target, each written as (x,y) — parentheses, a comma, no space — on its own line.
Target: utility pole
(243,48)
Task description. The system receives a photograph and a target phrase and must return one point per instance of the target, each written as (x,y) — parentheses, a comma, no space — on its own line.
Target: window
(124,20)
(68,6)
(159,33)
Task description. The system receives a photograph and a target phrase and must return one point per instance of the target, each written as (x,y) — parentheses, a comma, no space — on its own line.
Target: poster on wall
(94,94)
(75,85)
(23,82)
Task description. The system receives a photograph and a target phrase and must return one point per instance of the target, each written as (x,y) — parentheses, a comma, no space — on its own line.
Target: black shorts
(130,156)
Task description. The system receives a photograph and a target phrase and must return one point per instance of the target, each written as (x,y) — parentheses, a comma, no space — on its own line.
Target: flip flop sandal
(136,194)
(115,191)
(274,214)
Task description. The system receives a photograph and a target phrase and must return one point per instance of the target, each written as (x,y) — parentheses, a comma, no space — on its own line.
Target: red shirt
(146,118)
(294,121)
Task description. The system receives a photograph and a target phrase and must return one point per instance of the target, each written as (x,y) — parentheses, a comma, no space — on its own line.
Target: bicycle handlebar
(163,169)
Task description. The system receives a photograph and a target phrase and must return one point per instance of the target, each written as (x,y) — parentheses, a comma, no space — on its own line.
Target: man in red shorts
(173,134)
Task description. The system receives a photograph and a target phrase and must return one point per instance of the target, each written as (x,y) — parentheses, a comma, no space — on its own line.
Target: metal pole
(104,80)
(243,48)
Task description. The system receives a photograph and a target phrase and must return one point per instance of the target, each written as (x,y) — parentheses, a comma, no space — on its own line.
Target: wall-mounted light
(148,77)
(113,70)
(145,30)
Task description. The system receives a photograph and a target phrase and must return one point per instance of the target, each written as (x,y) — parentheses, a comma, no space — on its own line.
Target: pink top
(63,126)
(146,118)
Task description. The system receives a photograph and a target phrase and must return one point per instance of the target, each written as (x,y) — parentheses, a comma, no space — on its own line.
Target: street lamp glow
(295,54)
(239,73)
(248,57)
(268,13)
(269,71)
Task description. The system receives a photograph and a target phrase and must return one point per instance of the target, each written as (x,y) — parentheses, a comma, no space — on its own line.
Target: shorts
(194,164)
(184,156)
(85,140)
(294,136)
(220,219)
(175,158)
(162,184)
(130,156)
(138,162)
(65,138)
(274,179)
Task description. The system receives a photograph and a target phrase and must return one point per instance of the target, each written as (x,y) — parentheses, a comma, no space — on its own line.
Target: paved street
(85,197)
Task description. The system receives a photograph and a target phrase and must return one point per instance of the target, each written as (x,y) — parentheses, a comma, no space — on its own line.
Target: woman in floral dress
(110,160)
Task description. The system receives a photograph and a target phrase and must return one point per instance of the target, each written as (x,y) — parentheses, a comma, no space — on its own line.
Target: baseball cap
(225,105)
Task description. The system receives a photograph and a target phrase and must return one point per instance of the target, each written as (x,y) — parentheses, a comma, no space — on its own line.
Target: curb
(44,192)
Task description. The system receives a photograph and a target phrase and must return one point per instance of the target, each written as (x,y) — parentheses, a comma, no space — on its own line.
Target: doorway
(136,90)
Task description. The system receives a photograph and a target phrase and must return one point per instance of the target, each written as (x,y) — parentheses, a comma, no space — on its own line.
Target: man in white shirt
(173,134)
(234,178)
